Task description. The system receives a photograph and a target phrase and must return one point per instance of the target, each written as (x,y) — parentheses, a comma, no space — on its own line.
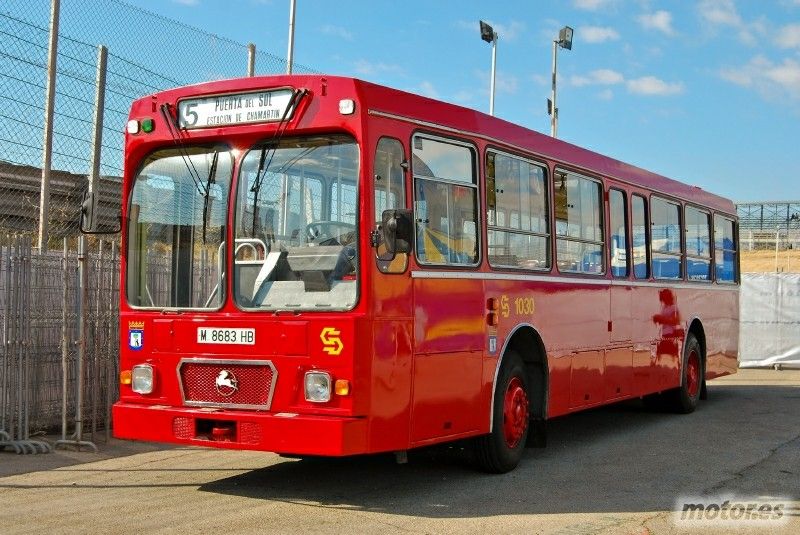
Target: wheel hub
(515,412)
(693,373)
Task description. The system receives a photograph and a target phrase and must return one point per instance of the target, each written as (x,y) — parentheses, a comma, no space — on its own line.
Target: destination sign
(233,109)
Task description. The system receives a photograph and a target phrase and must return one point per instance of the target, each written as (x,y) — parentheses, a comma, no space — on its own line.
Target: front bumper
(285,433)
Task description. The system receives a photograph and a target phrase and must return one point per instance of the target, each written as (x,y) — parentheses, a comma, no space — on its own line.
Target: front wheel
(501,450)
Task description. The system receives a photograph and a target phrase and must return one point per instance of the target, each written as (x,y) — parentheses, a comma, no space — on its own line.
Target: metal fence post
(6,365)
(47,143)
(97,135)
(111,347)
(64,339)
(251,59)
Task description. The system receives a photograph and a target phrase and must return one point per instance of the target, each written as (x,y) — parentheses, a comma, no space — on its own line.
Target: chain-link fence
(147,53)
(68,314)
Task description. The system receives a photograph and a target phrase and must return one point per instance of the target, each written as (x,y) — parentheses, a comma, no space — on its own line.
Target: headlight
(318,387)
(143,379)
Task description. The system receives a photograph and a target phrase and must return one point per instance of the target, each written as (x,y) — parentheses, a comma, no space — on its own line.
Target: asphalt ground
(617,469)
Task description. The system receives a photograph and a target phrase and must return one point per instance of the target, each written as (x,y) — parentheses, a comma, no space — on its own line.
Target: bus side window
(698,244)
(579,224)
(640,248)
(390,192)
(445,202)
(619,234)
(665,236)
(725,250)
(517,212)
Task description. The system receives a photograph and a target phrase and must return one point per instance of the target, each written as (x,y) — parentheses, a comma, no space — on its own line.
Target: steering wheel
(330,232)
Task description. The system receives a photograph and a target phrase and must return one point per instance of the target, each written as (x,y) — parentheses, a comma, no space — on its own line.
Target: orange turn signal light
(341,387)
(493,304)
(125,377)
(491,319)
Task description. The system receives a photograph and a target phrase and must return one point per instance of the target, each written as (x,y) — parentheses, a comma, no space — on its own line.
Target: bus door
(618,375)
(390,408)
(449,305)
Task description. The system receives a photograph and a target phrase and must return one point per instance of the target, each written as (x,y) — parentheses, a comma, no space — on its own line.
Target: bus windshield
(176,228)
(296,227)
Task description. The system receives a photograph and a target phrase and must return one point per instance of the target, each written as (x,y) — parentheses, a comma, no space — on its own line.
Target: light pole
(490,36)
(564,41)
(290,51)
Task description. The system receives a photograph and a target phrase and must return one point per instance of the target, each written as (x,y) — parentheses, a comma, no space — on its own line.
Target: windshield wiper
(212,172)
(176,140)
(283,124)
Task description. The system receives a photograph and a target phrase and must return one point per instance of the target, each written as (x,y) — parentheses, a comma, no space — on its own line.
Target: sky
(706,92)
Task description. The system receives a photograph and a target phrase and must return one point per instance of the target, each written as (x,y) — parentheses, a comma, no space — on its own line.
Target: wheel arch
(528,343)
(696,328)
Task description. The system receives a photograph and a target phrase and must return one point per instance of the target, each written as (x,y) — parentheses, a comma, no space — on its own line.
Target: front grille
(227,383)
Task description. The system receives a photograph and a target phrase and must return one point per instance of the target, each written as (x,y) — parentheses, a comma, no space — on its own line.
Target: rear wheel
(684,398)
(501,450)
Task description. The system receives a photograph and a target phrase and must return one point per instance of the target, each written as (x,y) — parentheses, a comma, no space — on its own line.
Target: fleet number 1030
(524,305)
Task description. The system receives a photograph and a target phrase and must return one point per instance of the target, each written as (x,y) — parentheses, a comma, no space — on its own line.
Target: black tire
(496,453)
(683,399)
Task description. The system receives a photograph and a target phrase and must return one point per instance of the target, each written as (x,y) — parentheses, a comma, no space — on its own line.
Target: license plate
(212,335)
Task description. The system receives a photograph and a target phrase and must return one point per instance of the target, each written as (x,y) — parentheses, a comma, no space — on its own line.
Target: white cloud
(504,83)
(505,32)
(720,12)
(789,36)
(425,88)
(464,96)
(596,34)
(660,20)
(337,31)
(597,77)
(368,68)
(605,94)
(652,86)
(540,79)
(591,5)
(724,13)
(771,80)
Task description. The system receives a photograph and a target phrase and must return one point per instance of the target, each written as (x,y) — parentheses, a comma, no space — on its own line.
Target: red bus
(317,265)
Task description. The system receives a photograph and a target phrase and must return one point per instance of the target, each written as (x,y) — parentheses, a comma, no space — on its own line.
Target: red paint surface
(416,350)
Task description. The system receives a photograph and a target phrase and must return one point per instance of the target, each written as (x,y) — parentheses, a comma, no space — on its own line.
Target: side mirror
(87,213)
(398,231)
(88,222)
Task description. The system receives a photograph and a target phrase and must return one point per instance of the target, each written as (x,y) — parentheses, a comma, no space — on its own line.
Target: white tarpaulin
(769,313)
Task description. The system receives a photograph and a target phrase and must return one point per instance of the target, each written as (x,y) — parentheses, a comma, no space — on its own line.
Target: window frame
(737,253)
(404,201)
(601,212)
(473,148)
(682,253)
(547,235)
(688,256)
(626,225)
(646,208)
(224,290)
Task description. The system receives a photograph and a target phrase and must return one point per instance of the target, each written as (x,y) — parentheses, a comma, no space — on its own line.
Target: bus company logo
(331,341)
(135,335)
(226,383)
(730,510)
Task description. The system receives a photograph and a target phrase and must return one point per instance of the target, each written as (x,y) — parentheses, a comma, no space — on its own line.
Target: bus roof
(382,100)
